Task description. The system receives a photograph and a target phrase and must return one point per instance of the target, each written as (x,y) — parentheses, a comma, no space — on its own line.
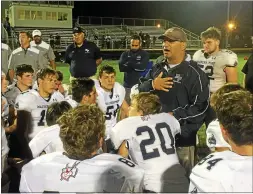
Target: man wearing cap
(25,54)
(183,91)
(45,49)
(83,56)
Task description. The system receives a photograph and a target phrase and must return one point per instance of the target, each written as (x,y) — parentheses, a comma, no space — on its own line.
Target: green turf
(119,78)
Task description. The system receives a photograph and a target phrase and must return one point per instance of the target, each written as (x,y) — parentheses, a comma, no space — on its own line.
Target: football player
(229,171)
(24,75)
(37,101)
(148,138)
(220,65)
(214,139)
(79,168)
(111,97)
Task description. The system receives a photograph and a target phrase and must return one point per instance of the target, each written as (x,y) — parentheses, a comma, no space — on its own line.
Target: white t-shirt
(151,144)
(225,172)
(56,172)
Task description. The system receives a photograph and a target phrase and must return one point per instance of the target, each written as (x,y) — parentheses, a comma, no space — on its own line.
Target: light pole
(228,18)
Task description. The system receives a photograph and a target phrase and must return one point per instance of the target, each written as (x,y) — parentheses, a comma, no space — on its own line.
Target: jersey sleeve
(24,101)
(232,59)
(122,92)
(196,55)
(23,186)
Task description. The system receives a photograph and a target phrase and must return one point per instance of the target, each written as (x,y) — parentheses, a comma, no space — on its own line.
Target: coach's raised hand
(160,83)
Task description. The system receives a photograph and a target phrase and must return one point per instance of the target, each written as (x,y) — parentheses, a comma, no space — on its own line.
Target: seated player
(48,139)
(214,139)
(148,138)
(80,168)
(111,98)
(229,171)
(37,102)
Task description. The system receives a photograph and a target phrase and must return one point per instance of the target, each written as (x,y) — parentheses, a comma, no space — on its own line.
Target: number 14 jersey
(151,144)
(32,102)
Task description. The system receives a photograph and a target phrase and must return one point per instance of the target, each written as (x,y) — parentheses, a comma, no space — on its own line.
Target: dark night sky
(195,16)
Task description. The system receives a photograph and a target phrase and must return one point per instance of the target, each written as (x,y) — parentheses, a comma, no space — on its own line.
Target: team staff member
(25,54)
(133,63)
(45,49)
(82,56)
(186,97)
(248,71)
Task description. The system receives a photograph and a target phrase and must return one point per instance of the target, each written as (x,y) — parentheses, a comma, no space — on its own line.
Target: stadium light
(231,26)
(158,25)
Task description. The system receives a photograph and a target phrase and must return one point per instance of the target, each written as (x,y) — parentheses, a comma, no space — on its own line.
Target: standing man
(133,63)
(45,49)
(82,56)
(25,54)
(220,65)
(248,71)
(183,91)
(5,52)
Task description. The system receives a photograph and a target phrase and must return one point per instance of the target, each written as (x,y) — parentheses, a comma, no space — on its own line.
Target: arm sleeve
(97,53)
(23,102)
(11,62)
(123,63)
(131,63)
(51,55)
(194,112)
(145,84)
(245,69)
(67,58)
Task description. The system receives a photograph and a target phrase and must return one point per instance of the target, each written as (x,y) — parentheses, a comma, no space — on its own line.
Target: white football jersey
(110,103)
(225,172)
(151,144)
(56,172)
(47,140)
(214,66)
(31,101)
(214,136)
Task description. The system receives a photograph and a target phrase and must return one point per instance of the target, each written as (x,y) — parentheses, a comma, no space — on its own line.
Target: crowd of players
(89,139)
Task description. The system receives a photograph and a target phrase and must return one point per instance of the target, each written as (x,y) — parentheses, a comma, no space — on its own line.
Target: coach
(83,56)
(133,62)
(183,90)
(248,71)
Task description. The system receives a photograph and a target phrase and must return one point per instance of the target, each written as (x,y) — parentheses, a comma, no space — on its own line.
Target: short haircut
(136,37)
(81,129)
(55,111)
(223,90)
(60,76)
(28,34)
(211,32)
(42,73)
(107,69)
(81,87)
(21,69)
(147,103)
(235,112)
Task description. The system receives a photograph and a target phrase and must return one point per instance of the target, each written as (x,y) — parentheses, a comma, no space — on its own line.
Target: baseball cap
(36,33)
(174,33)
(77,30)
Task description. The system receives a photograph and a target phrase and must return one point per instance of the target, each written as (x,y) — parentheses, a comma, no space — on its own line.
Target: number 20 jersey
(214,66)
(32,102)
(110,103)
(225,172)
(151,144)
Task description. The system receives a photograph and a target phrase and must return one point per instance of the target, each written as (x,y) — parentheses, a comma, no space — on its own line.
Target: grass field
(119,78)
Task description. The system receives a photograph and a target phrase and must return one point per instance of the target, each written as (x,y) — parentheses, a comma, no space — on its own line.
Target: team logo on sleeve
(212,140)
(69,171)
